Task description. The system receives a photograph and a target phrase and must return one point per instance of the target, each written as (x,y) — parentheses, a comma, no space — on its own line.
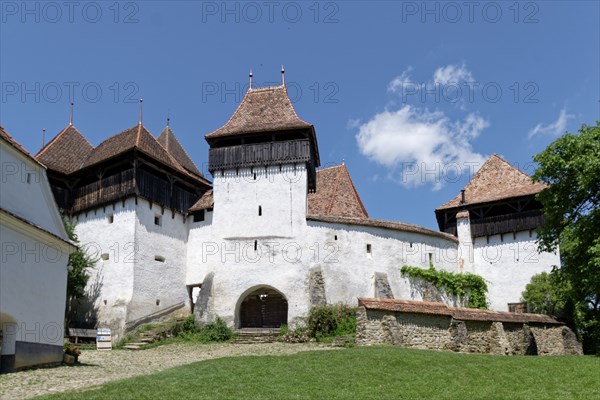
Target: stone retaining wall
(428,325)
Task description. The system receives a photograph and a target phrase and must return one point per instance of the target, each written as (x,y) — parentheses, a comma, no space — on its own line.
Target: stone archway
(264,307)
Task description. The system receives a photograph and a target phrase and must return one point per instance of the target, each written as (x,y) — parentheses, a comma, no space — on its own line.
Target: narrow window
(157,220)
(110,218)
(158,302)
(28,177)
(255,245)
(430,259)
(255,176)
(335,237)
(199,216)
(259,211)
(159,258)
(368,248)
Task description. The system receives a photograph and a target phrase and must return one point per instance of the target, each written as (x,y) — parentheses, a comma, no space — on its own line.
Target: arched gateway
(263,308)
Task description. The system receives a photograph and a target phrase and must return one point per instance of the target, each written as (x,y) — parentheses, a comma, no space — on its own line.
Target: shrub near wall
(331,320)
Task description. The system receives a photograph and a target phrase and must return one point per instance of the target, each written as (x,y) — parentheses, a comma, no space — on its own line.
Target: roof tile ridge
(173,159)
(50,143)
(89,154)
(184,150)
(292,106)
(525,174)
(232,115)
(139,133)
(362,206)
(333,195)
(82,135)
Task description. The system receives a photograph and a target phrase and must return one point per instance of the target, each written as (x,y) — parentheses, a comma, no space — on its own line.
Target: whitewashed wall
(33,285)
(111,281)
(507,263)
(26,191)
(154,281)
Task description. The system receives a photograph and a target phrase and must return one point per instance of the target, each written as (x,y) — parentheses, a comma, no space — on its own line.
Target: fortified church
(271,235)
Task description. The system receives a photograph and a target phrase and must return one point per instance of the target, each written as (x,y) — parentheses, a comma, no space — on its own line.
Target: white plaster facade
(33,273)
(134,285)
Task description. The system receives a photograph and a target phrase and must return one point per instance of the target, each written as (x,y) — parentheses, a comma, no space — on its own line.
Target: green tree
(571,166)
(77,278)
(546,294)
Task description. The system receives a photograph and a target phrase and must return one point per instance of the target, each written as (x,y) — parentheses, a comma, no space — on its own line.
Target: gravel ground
(98,367)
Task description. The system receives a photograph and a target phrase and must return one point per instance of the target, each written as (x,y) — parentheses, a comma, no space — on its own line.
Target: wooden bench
(82,333)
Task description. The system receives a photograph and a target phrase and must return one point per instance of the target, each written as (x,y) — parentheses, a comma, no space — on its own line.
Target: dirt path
(98,367)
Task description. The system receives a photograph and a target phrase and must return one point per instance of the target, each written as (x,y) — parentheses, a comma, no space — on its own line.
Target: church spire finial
(250,87)
(43,137)
(141,110)
(71,114)
(282,75)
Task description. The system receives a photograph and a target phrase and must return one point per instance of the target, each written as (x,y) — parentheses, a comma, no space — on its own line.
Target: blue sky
(412,95)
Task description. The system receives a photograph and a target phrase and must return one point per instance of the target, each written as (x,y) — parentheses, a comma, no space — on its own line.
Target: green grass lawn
(365,373)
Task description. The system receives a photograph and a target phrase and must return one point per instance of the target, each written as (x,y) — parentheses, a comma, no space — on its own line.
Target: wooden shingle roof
(138,138)
(458,313)
(262,110)
(205,202)
(168,140)
(495,180)
(336,194)
(66,152)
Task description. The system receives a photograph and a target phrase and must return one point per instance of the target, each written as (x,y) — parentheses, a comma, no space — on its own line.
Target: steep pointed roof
(496,180)
(262,110)
(136,137)
(66,152)
(336,194)
(168,140)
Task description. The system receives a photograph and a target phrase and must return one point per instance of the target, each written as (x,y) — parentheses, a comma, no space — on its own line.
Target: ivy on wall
(464,286)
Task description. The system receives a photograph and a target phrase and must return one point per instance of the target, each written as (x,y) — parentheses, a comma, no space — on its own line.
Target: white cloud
(421,147)
(452,74)
(556,128)
(401,81)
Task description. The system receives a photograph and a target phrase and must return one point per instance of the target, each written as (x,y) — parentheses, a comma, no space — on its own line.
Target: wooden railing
(499,224)
(127,183)
(253,155)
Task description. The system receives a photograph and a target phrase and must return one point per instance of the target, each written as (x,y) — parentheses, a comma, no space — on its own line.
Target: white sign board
(103,339)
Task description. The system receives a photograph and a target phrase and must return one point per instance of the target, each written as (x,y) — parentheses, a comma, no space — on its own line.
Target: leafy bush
(185,327)
(470,289)
(217,331)
(298,335)
(71,349)
(331,320)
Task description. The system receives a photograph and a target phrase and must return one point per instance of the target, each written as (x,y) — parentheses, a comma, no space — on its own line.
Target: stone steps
(258,335)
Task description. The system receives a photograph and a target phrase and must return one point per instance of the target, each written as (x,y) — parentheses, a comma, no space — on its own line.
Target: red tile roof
(168,140)
(377,223)
(496,180)
(458,313)
(336,194)
(262,110)
(136,137)
(66,152)
(204,202)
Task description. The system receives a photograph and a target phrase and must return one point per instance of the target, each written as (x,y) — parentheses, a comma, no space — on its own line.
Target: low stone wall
(429,325)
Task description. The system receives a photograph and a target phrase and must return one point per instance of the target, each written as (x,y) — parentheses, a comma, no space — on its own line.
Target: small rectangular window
(157,220)
(199,216)
(259,211)
(28,177)
(159,258)
(110,218)
(368,248)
